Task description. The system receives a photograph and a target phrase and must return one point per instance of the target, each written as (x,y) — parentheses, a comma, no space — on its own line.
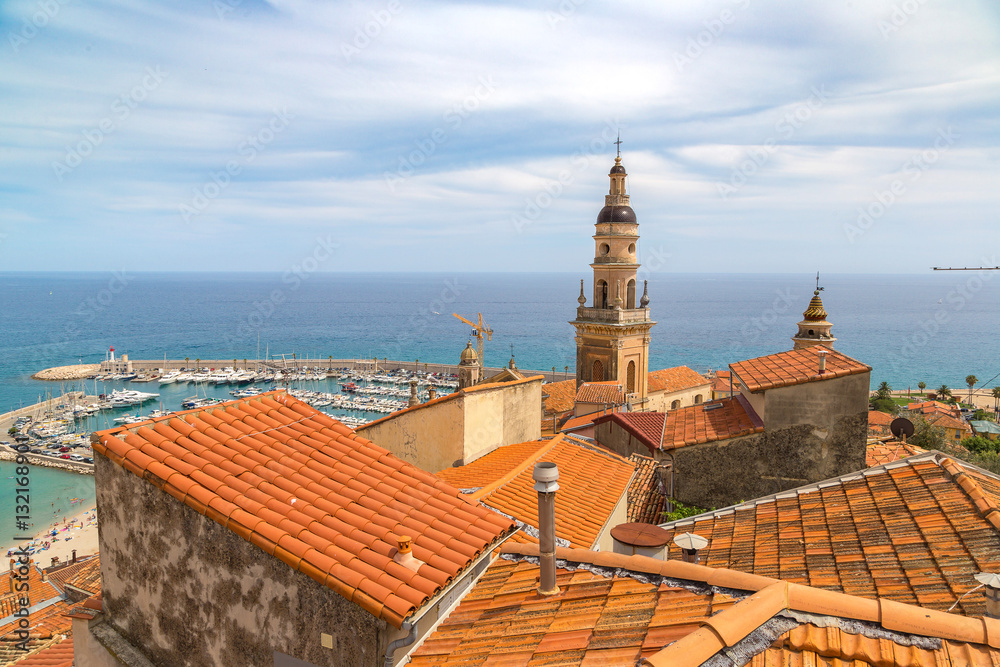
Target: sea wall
(48,462)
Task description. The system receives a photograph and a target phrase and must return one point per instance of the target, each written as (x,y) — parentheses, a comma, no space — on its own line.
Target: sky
(845,136)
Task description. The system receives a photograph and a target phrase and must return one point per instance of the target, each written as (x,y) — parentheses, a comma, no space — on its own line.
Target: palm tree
(197,363)
(943,392)
(921,386)
(996,396)
(971,380)
(187,361)
(884,391)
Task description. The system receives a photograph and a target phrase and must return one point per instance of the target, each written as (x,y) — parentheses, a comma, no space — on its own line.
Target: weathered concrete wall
(431,438)
(190,593)
(820,404)
(723,473)
(618,516)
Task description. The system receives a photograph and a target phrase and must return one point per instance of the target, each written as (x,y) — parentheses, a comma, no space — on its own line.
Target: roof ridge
(986,505)
(895,616)
(486,490)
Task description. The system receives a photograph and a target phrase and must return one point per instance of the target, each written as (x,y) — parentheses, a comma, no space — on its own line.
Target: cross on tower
(619,143)
(818,288)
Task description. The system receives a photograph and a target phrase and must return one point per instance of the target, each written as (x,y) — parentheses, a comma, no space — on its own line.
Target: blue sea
(936,327)
(932,327)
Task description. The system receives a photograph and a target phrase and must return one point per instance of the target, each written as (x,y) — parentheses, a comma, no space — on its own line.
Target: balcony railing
(612,316)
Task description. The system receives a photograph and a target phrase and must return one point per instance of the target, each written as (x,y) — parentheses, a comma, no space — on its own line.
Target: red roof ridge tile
(986,505)
(794,367)
(895,616)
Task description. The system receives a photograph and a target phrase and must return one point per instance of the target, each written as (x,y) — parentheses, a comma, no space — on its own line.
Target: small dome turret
(469,354)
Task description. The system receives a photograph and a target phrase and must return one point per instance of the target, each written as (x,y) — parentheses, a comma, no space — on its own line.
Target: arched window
(598,373)
(675,405)
(630,378)
(601,294)
(630,298)
(697,399)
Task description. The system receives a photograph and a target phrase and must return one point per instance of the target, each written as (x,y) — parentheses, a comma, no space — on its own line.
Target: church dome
(469,354)
(617,169)
(815,312)
(616,214)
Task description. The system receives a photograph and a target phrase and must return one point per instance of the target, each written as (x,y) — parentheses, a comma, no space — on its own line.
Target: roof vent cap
(546,476)
(404,555)
(690,544)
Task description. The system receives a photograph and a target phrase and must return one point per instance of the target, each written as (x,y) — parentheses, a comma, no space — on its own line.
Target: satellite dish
(901,426)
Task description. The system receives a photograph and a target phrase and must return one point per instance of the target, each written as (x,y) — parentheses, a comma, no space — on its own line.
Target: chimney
(55,559)
(404,555)
(690,544)
(546,476)
(822,361)
(413,394)
(431,394)
(992,584)
(74,556)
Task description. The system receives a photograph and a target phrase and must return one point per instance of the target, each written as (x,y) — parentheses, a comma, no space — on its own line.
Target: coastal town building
(468,367)
(799,416)
(612,334)
(985,429)
(678,387)
(264,532)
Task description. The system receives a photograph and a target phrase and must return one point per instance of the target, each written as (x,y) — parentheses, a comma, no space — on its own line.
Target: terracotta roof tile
(56,653)
(579,422)
(933,407)
(880,453)
(85,575)
(878,423)
(559,397)
(605,393)
(591,482)
(908,532)
(696,424)
(305,488)
(794,367)
(645,502)
(613,609)
(947,421)
(39,591)
(674,379)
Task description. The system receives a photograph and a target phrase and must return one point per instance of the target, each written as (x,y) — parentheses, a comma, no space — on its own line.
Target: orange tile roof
(38,591)
(878,422)
(85,575)
(947,421)
(559,396)
(880,453)
(932,407)
(674,379)
(306,489)
(591,482)
(645,501)
(795,367)
(490,467)
(613,609)
(692,425)
(913,531)
(58,653)
(579,422)
(609,392)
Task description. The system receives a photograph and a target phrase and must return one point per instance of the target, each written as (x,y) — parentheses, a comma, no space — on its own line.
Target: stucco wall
(431,438)
(820,404)
(612,436)
(660,401)
(188,592)
(618,516)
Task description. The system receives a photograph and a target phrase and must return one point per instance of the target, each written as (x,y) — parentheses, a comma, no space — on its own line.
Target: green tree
(682,511)
(927,435)
(979,444)
(943,392)
(971,380)
(921,386)
(886,405)
(996,398)
(884,391)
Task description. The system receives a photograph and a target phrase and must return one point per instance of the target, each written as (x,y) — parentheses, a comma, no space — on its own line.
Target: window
(697,399)
(675,405)
(601,294)
(630,378)
(631,248)
(598,373)
(605,249)
(630,295)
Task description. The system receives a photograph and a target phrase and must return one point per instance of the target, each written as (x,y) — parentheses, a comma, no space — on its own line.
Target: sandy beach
(77,532)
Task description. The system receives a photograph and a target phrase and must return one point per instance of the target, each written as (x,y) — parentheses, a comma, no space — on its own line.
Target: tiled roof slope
(58,653)
(913,531)
(601,392)
(38,591)
(591,482)
(947,421)
(85,574)
(558,397)
(490,467)
(933,407)
(795,367)
(880,453)
(878,423)
(306,489)
(645,502)
(674,379)
(696,424)
(613,609)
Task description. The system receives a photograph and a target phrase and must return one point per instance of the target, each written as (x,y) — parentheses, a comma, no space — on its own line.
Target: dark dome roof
(617,169)
(616,214)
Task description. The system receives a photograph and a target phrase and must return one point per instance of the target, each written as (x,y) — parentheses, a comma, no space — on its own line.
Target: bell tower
(814,329)
(612,334)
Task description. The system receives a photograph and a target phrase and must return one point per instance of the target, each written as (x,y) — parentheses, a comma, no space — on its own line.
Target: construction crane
(966,268)
(478,331)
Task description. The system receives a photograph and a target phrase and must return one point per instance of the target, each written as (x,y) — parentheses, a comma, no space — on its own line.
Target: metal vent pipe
(546,476)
